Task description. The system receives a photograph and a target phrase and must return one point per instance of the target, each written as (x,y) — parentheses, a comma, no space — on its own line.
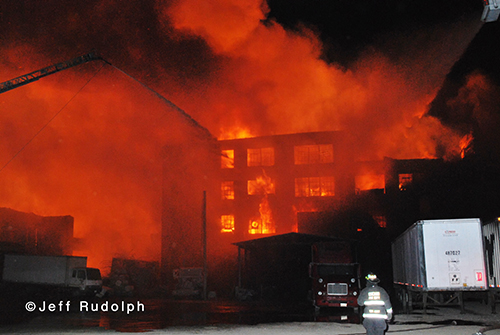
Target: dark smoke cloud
(129,34)
(468,100)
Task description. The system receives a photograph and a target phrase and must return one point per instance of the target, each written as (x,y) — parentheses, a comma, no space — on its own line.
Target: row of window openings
(303,154)
(255,226)
(227,223)
(304,187)
(314,186)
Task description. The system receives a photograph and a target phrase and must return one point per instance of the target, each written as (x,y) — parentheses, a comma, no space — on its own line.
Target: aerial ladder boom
(35,75)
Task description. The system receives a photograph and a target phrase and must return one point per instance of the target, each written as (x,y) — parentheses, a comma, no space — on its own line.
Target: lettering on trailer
(453,265)
(450,233)
(452,253)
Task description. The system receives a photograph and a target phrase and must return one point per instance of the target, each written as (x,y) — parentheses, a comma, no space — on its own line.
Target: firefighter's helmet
(372,278)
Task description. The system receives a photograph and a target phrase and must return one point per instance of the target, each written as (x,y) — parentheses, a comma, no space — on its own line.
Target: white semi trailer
(491,235)
(435,261)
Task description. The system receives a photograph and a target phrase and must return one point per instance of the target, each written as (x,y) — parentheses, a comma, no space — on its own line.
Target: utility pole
(205,265)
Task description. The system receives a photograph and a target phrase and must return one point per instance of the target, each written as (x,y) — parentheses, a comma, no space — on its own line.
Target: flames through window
(264,222)
(227,222)
(227,159)
(405,180)
(315,186)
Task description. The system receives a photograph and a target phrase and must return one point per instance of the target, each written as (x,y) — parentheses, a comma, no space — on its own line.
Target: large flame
(274,81)
(264,224)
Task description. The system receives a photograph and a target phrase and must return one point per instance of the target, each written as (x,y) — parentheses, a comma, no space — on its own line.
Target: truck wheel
(403,297)
(400,297)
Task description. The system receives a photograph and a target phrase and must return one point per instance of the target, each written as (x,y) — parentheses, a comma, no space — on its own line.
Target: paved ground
(443,321)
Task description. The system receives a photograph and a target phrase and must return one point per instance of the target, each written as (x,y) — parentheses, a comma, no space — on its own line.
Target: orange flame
(274,82)
(370,182)
(265,223)
(466,145)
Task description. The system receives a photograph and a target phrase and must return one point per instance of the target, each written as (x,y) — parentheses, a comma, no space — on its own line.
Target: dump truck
(335,277)
(435,261)
(62,274)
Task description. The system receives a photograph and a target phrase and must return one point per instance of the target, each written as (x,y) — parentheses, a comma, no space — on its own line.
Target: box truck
(64,274)
(435,261)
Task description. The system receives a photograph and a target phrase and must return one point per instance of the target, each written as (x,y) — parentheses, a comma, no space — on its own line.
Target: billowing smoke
(232,70)
(273,81)
(474,111)
(98,160)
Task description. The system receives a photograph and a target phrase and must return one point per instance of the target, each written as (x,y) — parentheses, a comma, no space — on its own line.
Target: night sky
(350,26)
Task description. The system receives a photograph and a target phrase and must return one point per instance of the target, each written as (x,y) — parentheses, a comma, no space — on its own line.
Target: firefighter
(377,306)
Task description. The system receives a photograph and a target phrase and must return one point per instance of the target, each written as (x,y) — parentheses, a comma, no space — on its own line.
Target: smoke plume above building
(235,71)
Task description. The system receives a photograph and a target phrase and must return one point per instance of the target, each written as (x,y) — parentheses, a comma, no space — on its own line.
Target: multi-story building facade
(267,181)
(304,182)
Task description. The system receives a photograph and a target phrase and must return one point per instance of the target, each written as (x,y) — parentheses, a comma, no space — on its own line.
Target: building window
(264,222)
(260,157)
(313,154)
(227,159)
(261,185)
(227,188)
(327,185)
(315,187)
(368,182)
(227,222)
(405,180)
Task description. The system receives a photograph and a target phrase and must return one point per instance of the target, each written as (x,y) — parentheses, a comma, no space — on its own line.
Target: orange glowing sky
(99,159)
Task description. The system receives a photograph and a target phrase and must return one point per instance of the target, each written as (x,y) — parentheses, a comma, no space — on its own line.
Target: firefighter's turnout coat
(376,302)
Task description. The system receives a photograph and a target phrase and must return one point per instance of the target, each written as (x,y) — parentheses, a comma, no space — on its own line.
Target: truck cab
(335,285)
(87,280)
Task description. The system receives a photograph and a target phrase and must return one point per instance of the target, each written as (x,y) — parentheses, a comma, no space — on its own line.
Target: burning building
(34,234)
(290,183)
(267,181)
(248,188)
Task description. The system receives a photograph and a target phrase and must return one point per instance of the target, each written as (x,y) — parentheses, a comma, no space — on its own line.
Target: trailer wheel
(407,301)
(402,295)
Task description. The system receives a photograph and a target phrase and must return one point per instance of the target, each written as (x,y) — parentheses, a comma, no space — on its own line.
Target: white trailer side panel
(51,270)
(491,233)
(454,258)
